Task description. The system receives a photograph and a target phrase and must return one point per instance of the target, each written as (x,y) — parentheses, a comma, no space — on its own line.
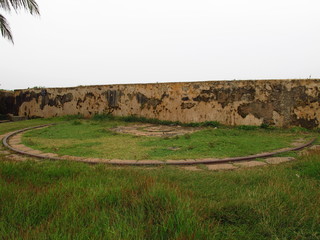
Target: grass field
(89,138)
(69,200)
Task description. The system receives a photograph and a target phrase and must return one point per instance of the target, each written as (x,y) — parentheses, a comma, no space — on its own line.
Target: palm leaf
(5,29)
(29,5)
(4,4)
(7,5)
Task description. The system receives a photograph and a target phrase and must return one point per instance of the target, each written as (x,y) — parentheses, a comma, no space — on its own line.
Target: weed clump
(72,117)
(247,127)
(213,124)
(267,126)
(134,118)
(76,122)
(102,117)
(298,129)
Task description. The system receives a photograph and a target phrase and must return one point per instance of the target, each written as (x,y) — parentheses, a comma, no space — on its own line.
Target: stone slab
(250,164)
(277,160)
(222,166)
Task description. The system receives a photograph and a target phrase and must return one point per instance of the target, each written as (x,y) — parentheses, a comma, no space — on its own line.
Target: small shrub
(76,122)
(134,118)
(247,127)
(72,117)
(298,129)
(264,126)
(202,124)
(192,124)
(211,124)
(102,117)
(38,87)
(267,126)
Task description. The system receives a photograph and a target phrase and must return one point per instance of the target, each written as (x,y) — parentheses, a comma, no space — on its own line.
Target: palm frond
(5,4)
(5,29)
(29,5)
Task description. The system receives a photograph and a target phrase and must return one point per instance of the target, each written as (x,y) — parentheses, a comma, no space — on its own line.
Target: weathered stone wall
(6,102)
(274,102)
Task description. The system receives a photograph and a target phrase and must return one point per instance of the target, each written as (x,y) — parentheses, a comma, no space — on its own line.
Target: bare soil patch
(154,130)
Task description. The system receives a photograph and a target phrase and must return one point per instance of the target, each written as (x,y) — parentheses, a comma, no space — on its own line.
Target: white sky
(82,42)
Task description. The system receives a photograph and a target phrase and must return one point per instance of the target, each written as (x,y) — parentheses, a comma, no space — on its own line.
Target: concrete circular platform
(154,130)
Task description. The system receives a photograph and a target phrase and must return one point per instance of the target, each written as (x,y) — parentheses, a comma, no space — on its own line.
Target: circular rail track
(143,162)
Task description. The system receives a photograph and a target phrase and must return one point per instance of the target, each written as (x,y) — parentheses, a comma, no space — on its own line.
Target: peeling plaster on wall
(274,102)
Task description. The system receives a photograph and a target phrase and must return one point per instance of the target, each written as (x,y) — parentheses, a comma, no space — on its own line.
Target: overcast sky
(82,42)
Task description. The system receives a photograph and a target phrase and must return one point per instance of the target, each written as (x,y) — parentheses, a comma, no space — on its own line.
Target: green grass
(12,126)
(92,138)
(64,200)
(69,200)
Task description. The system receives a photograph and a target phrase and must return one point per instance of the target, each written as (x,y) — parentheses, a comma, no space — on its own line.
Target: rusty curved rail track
(152,162)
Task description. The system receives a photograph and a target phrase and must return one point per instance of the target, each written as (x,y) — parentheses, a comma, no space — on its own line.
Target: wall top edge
(187,82)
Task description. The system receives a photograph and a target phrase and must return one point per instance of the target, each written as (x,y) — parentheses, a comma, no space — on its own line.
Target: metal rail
(145,162)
